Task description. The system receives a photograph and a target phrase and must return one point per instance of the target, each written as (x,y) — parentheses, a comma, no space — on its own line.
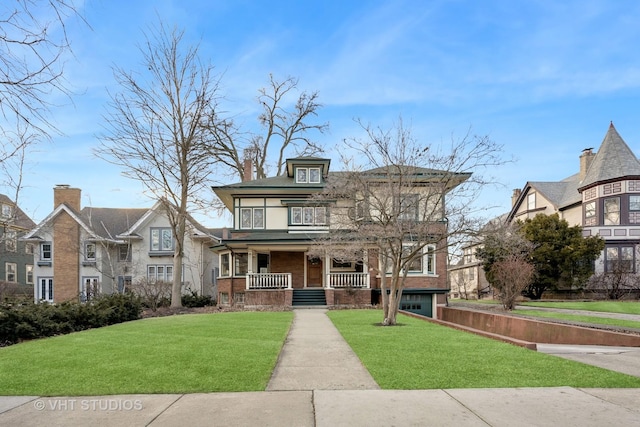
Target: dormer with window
(308,170)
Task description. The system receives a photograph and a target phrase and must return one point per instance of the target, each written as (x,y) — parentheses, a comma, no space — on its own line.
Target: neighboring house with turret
(16,256)
(80,251)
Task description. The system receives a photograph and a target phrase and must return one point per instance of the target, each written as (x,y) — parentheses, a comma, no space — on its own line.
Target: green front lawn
(625,307)
(177,354)
(422,355)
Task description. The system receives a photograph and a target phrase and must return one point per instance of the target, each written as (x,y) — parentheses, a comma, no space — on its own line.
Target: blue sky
(541,78)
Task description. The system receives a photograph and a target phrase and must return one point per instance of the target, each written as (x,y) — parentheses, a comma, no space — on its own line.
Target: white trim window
(240,263)
(425,264)
(90,251)
(308,175)
(225,264)
(308,215)
(251,218)
(45,251)
(11,272)
(90,288)
(29,274)
(160,273)
(7,211)
(531,201)
(161,239)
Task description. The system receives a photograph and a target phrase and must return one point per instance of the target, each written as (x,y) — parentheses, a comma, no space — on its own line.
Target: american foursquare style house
(267,258)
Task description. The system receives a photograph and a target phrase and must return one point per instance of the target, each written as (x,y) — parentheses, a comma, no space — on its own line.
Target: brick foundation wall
(272,297)
(345,297)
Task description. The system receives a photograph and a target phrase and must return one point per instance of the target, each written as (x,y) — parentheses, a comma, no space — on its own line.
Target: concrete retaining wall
(535,331)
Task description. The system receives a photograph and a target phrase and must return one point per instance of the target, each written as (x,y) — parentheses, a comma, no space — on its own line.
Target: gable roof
(112,224)
(20,219)
(614,160)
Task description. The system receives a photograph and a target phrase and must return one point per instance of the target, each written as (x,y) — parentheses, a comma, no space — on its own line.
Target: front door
(314,272)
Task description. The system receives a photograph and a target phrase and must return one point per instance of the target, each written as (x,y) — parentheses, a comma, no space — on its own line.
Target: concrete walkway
(316,357)
(319,382)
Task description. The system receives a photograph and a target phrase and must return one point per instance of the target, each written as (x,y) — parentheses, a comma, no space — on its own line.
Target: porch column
(250,261)
(326,267)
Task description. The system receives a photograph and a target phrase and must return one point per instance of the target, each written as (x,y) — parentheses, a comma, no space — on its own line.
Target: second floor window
(11,240)
(161,239)
(590,217)
(29,274)
(124,253)
(45,251)
(308,215)
(90,251)
(408,207)
(251,218)
(612,211)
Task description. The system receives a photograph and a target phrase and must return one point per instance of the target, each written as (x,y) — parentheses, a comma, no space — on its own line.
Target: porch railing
(269,281)
(348,280)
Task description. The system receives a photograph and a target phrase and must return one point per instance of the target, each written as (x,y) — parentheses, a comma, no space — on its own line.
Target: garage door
(417,303)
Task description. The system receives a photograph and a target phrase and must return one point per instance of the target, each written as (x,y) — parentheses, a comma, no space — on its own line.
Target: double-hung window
(251,218)
(161,240)
(408,207)
(45,251)
(90,251)
(424,262)
(160,273)
(225,265)
(10,272)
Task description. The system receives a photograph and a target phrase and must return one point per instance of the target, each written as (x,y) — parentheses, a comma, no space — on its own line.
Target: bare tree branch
(159,129)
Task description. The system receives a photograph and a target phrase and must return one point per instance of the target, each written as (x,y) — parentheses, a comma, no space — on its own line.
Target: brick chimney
(62,193)
(515,196)
(248,171)
(586,158)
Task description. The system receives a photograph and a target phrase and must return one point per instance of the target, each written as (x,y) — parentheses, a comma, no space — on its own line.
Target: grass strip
(177,354)
(624,307)
(597,320)
(422,355)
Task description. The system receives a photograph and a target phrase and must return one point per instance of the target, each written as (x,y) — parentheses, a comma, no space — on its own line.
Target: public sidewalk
(319,382)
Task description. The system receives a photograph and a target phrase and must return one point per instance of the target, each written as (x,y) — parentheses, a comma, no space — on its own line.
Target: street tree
(506,257)
(562,257)
(158,129)
(391,201)
(33,45)
(284,130)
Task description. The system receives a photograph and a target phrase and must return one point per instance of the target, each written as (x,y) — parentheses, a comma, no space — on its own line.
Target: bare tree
(392,202)
(617,283)
(159,130)
(33,42)
(507,260)
(283,130)
(511,275)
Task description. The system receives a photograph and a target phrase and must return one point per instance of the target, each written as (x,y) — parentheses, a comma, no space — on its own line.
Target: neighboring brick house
(16,256)
(80,251)
(268,256)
